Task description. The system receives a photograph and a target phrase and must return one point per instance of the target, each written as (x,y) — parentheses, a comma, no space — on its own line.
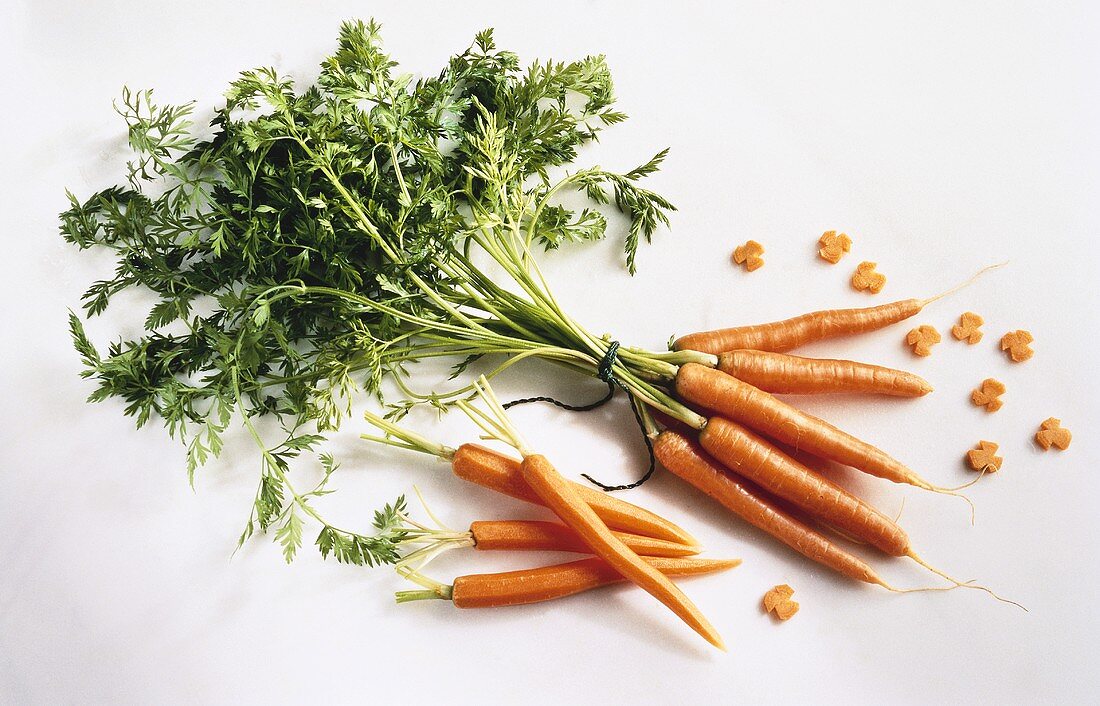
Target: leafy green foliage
(381,548)
(318,242)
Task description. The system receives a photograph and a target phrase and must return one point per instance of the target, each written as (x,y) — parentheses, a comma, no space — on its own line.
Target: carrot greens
(315,241)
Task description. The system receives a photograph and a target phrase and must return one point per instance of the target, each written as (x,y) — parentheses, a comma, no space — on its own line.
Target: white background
(941,136)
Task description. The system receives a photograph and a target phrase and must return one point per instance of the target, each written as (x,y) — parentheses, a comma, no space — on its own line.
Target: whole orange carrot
(788,374)
(741,402)
(779,336)
(791,333)
(535,535)
(546,583)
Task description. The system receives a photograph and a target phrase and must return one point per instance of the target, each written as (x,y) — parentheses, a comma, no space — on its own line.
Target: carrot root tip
(962,584)
(924,485)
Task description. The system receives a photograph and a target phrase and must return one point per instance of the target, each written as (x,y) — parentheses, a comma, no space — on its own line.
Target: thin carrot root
(968,483)
(901,509)
(922,589)
(962,584)
(925,485)
(963,285)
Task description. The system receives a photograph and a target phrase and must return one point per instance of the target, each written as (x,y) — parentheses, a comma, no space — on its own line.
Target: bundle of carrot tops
(314,243)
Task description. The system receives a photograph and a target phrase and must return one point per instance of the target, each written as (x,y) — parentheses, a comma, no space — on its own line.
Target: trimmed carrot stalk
(779,336)
(686,459)
(741,402)
(793,375)
(546,583)
(496,471)
(560,496)
(535,535)
(754,458)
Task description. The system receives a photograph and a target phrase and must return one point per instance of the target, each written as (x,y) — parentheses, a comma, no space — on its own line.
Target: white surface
(941,137)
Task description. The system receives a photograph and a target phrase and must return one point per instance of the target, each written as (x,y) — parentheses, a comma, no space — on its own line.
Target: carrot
(549,582)
(534,535)
(560,496)
(788,374)
(754,458)
(501,473)
(741,402)
(779,336)
(568,505)
(685,458)
(496,471)
(506,535)
(791,333)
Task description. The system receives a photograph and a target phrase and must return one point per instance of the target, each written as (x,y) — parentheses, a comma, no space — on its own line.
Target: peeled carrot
(496,471)
(549,582)
(787,374)
(779,336)
(534,535)
(686,459)
(741,402)
(560,496)
(754,458)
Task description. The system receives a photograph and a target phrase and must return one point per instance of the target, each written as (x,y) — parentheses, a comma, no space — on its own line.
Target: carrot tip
(962,584)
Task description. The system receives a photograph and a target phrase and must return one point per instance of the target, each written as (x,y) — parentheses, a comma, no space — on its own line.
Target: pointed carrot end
(687,540)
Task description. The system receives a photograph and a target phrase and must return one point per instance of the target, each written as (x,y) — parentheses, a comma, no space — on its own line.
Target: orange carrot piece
(743,403)
(1018,345)
(778,601)
(922,338)
(989,394)
(549,582)
(748,255)
(1052,433)
(969,328)
(866,279)
(496,471)
(686,459)
(788,374)
(560,496)
(535,535)
(833,246)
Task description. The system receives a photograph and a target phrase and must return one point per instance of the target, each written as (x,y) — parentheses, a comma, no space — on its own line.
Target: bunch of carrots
(753,453)
(629,542)
(344,231)
(646,561)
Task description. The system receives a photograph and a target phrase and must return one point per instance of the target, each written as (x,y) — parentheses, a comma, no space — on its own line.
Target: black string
(604,371)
